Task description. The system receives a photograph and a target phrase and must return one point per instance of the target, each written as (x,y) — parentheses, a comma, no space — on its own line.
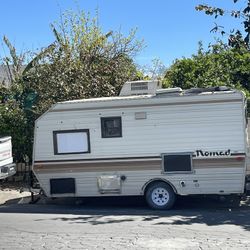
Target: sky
(170,29)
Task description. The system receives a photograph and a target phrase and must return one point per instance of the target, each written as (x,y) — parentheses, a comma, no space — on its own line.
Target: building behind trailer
(148,141)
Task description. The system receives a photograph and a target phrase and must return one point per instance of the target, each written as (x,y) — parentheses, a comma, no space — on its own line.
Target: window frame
(55,143)
(103,119)
(164,170)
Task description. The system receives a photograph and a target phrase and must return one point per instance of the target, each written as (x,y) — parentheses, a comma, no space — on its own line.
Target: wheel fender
(144,187)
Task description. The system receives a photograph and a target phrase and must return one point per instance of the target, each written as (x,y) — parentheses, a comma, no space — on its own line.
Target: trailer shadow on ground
(96,211)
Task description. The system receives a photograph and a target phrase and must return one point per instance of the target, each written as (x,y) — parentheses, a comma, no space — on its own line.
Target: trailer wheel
(160,195)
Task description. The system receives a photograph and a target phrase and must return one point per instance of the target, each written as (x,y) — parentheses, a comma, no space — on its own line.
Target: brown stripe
(132,166)
(100,159)
(99,167)
(123,158)
(144,105)
(218,163)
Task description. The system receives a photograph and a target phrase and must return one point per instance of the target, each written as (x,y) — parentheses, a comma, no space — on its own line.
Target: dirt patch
(13,193)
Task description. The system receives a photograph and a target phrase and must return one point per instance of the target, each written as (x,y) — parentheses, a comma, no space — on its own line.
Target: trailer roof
(138,97)
(111,98)
(119,102)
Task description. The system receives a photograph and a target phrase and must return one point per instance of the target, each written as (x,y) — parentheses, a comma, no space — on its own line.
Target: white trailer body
(7,167)
(196,143)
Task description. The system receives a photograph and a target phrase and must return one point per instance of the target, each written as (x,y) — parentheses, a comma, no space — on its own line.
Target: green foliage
(219,65)
(83,62)
(13,62)
(248,108)
(13,122)
(235,37)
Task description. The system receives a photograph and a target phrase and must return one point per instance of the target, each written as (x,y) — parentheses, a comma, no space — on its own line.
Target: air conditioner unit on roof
(140,88)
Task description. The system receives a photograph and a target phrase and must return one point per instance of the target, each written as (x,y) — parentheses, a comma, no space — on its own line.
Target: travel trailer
(7,167)
(154,142)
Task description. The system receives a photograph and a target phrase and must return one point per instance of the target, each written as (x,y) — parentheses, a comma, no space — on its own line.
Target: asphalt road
(125,223)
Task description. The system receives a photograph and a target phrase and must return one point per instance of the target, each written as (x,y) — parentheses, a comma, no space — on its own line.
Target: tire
(160,196)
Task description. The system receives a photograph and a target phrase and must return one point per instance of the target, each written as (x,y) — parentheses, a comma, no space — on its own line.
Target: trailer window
(111,127)
(71,141)
(181,162)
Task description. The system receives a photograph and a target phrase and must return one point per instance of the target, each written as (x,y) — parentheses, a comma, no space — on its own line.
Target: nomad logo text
(212,153)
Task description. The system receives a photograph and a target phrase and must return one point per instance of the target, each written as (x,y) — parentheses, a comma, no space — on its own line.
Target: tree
(13,63)
(235,37)
(239,76)
(155,70)
(14,120)
(219,65)
(83,62)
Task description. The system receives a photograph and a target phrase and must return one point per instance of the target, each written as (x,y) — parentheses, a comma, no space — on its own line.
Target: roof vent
(209,89)
(167,91)
(139,88)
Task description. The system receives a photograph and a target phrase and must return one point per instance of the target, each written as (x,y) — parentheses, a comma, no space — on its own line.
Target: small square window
(179,162)
(111,127)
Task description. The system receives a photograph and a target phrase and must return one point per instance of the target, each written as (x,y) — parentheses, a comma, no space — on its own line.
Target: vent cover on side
(109,184)
(62,186)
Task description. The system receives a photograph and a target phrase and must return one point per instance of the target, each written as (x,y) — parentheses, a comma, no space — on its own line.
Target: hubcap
(160,196)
